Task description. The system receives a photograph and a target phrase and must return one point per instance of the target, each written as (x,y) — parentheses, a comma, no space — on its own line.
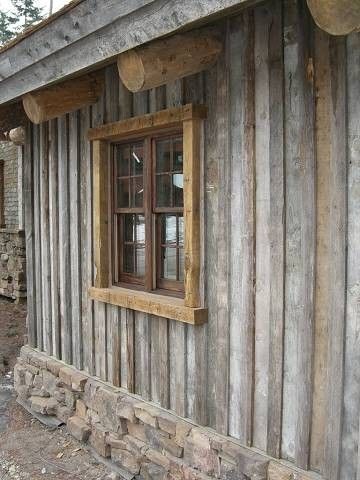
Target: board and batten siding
(277,364)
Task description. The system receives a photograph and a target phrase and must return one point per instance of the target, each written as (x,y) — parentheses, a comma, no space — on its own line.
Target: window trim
(189,119)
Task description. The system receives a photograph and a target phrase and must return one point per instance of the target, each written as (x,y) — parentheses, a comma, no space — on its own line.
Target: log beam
(66,97)
(17,136)
(165,60)
(11,116)
(337,17)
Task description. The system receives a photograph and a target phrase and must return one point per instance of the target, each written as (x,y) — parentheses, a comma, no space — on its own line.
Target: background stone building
(12,237)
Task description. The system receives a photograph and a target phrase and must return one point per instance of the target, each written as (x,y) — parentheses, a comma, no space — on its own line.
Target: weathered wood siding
(278,363)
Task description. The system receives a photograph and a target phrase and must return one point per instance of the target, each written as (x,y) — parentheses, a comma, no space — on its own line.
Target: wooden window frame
(188,119)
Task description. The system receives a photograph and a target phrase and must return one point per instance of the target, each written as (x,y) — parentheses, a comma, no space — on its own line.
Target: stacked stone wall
(12,264)
(9,155)
(143,440)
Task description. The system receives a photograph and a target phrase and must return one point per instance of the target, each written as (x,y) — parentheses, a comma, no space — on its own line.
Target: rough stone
(81,409)
(115,441)
(78,428)
(45,406)
(137,430)
(78,381)
(199,454)
(70,399)
(183,429)
(135,445)
(151,471)
(29,378)
(53,366)
(126,460)
(99,441)
(156,457)
(167,423)
(65,375)
(49,382)
(147,414)
(63,413)
(59,395)
(125,409)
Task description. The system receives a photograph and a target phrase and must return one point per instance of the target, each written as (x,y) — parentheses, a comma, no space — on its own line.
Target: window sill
(160,305)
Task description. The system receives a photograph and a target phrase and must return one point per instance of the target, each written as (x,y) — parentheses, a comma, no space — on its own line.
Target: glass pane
(163,156)
(181,264)
(123,154)
(178,155)
(163,191)
(137,194)
(140,229)
(140,261)
(169,263)
(178,189)
(128,260)
(181,230)
(137,159)
(170,229)
(129,221)
(123,193)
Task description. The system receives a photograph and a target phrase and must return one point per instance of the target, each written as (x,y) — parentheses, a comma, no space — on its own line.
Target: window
(146,174)
(148,213)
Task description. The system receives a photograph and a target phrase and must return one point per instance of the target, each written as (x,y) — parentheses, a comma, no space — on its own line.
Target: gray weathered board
(279,356)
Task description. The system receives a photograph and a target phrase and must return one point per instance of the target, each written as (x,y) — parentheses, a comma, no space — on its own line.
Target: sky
(5,5)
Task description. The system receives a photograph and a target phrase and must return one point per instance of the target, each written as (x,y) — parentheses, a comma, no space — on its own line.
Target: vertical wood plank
(86,181)
(130,351)
(211,180)
(46,286)
(223,242)
(164,363)
(54,237)
(269,293)
(64,241)
(197,336)
(100,319)
(114,370)
(101,213)
(37,236)
(177,332)
(350,452)
(241,235)
(75,241)
(330,69)
(29,232)
(300,233)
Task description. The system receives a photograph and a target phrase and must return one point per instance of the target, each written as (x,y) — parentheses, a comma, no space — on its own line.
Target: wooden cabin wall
(277,365)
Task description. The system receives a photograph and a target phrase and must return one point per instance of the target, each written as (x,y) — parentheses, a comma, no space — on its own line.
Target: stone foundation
(12,264)
(147,442)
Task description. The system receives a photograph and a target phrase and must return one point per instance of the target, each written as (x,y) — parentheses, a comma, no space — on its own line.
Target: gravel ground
(28,449)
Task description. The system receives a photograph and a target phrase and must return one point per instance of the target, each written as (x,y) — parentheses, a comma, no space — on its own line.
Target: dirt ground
(29,450)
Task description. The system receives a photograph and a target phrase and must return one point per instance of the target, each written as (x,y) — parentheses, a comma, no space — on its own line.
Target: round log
(337,17)
(166,60)
(63,98)
(12,116)
(17,136)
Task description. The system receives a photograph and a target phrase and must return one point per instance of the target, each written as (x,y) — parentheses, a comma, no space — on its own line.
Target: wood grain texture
(37,236)
(269,294)
(242,230)
(46,312)
(222,390)
(75,241)
(331,253)
(29,236)
(86,241)
(64,241)
(350,465)
(54,237)
(300,233)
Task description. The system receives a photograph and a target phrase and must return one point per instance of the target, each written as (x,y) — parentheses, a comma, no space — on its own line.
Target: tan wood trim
(101,215)
(172,117)
(191,136)
(152,303)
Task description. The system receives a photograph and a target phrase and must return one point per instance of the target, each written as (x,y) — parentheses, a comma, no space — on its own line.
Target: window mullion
(148,181)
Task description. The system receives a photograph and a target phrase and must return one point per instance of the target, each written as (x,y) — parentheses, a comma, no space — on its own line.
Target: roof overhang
(92,33)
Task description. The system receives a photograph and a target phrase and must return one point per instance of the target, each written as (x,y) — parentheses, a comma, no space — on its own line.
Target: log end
(131,71)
